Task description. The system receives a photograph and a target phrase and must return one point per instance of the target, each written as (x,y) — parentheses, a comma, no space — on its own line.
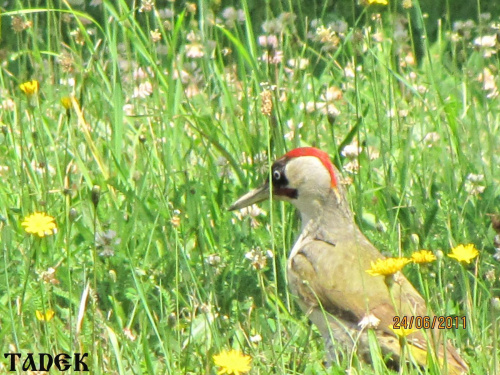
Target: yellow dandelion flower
(67,102)
(423,256)
(49,314)
(387,267)
(379,2)
(464,253)
(402,331)
(232,362)
(30,87)
(40,224)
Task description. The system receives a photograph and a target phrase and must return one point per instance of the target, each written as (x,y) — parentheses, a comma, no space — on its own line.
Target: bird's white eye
(276,175)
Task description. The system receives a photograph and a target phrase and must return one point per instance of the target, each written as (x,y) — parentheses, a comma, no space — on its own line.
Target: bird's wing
(333,275)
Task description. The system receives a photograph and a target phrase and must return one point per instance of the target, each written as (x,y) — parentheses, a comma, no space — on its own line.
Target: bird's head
(304,177)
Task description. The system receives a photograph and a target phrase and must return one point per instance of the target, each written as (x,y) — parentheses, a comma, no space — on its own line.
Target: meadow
(133,133)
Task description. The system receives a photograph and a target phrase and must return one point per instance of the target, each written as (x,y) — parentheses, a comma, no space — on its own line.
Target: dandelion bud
(439,254)
(96,195)
(389,281)
(331,118)
(495,303)
(66,102)
(72,215)
(172,319)
(112,275)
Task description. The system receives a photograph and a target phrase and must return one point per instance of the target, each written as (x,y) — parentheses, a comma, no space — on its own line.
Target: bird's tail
(451,363)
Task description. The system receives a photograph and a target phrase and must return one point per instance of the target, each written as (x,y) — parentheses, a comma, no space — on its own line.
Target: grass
(148,271)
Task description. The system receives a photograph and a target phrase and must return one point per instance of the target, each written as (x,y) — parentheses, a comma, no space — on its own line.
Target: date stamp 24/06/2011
(429,322)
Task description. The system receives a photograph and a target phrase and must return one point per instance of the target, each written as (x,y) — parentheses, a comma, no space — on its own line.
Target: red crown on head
(321,155)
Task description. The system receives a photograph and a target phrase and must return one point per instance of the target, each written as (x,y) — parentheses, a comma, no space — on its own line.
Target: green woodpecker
(327,270)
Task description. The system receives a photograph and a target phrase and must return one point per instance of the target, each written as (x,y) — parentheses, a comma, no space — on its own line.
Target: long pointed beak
(255,196)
